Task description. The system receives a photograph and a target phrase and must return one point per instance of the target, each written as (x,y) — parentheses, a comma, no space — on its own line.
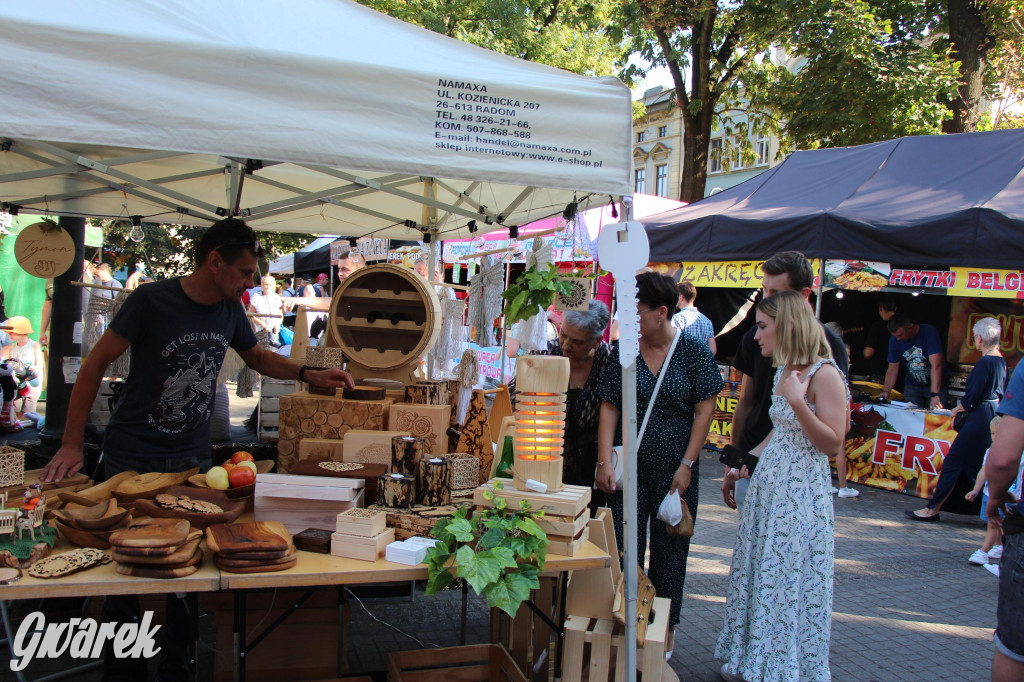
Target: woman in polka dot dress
(676,431)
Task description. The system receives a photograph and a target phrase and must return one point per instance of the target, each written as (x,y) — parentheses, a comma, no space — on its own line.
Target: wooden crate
(568,545)
(476,663)
(594,648)
(271,391)
(570,501)
(313,416)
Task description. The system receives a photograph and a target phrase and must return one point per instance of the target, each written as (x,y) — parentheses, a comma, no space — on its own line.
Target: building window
(715,156)
(640,137)
(662,179)
(641,177)
(761,147)
(663,131)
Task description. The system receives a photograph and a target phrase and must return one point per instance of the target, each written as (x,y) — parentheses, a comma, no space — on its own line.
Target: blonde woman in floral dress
(779,605)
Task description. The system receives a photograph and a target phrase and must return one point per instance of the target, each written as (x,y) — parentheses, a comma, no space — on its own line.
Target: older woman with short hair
(581,340)
(985,387)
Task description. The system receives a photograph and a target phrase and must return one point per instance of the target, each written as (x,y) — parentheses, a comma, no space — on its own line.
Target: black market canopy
(933,201)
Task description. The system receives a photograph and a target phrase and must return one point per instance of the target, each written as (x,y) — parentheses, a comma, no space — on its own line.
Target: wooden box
(429,422)
(313,540)
(570,501)
(309,416)
(365,523)
(595,651)
(474,663)
(320,450)
(369,473)
(369,447)
(301,502)
(362,548)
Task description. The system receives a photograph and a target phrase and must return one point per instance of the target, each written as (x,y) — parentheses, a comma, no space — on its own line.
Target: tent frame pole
(820,288)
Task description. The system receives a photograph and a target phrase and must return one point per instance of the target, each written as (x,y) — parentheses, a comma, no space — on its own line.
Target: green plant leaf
(531,573)
(488,495)
(437,582)
(509,593)
(491,538)
(480,569)
(461,529)
(529,526)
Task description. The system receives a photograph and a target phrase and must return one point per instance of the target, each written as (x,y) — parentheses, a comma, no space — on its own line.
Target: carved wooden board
(476,435)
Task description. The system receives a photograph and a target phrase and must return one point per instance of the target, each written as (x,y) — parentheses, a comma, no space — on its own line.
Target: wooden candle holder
(396,491)
(435,482)
(406,452)
(427,393)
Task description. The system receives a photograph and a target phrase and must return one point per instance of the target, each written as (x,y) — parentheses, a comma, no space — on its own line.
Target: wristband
(689,462)
(302,373)
(933,394)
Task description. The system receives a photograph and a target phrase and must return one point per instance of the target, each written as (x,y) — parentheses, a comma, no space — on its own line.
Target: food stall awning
(308,116)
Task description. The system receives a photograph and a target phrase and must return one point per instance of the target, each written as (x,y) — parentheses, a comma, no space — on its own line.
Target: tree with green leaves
(846,77)
(568,34)
(167,250)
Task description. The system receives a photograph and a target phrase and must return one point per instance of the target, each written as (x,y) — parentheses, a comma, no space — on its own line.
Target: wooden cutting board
(193,534)
(179,556)
(261,556)
(255,569)
(231,562)
(153,533)
(261,536)
(162,572)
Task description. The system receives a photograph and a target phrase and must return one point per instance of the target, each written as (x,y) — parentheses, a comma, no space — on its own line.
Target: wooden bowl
(99,492)
(100,539)
(232,508)
(149,485)
(100,516)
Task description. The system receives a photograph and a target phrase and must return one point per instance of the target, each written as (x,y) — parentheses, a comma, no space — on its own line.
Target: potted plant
(532,293)
(499,551)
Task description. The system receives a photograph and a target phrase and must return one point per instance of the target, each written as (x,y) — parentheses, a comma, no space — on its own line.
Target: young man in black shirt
(786,271)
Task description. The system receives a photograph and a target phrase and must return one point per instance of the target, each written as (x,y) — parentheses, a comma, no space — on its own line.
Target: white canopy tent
(307,116)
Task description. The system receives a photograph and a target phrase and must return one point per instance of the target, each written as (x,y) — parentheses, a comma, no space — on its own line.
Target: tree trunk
(970,40)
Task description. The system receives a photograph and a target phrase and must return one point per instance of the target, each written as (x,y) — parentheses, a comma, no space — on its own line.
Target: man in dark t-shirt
(751,423)
(178,331)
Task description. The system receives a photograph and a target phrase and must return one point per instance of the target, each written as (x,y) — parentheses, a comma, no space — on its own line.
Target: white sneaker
(993,569)
(848,492)
(996,552)
(834,490)
(979,558)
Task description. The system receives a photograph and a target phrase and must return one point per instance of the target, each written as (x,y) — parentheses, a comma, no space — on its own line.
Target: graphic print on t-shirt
(187,392)
(918,366)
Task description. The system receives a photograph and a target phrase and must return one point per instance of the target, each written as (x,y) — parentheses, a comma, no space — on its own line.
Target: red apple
(241,456)
(241,476)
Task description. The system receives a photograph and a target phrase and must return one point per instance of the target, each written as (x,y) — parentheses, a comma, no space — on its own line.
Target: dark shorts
(1010,613)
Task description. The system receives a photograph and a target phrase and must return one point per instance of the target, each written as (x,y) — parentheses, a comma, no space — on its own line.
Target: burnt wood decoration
(435,482)
(396,491)
(406,452)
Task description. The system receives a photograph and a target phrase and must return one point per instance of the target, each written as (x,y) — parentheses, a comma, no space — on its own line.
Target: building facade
(658,146)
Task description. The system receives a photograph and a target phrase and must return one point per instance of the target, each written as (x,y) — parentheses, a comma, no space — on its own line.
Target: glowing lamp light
(541,384)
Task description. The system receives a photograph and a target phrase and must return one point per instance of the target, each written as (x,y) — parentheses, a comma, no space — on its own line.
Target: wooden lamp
(541,384)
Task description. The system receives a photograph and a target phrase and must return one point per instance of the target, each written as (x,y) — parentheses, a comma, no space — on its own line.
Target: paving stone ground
(907,604)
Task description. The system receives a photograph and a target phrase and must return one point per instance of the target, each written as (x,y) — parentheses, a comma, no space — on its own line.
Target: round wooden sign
(44,250)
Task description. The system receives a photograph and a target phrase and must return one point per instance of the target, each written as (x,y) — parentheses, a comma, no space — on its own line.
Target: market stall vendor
(178,331)
(919,348)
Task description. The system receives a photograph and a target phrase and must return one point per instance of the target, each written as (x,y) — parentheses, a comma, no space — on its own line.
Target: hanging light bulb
(839,294)
(136,235)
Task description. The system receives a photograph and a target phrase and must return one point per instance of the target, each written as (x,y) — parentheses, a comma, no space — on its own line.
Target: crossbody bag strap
(657,386)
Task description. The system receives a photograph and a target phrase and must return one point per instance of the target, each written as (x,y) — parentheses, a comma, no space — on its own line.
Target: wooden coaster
(60,565)
(9,575)
(341,466)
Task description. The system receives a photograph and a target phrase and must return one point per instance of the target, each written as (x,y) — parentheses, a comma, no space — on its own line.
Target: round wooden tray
(232,508)
(384,318)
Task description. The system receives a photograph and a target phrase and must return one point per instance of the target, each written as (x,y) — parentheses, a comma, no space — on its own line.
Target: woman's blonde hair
(799,338)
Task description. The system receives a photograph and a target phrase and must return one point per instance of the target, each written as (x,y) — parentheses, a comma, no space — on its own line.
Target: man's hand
(935,403)
(729,488)
(993,510)
(66,462)
(330,378)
